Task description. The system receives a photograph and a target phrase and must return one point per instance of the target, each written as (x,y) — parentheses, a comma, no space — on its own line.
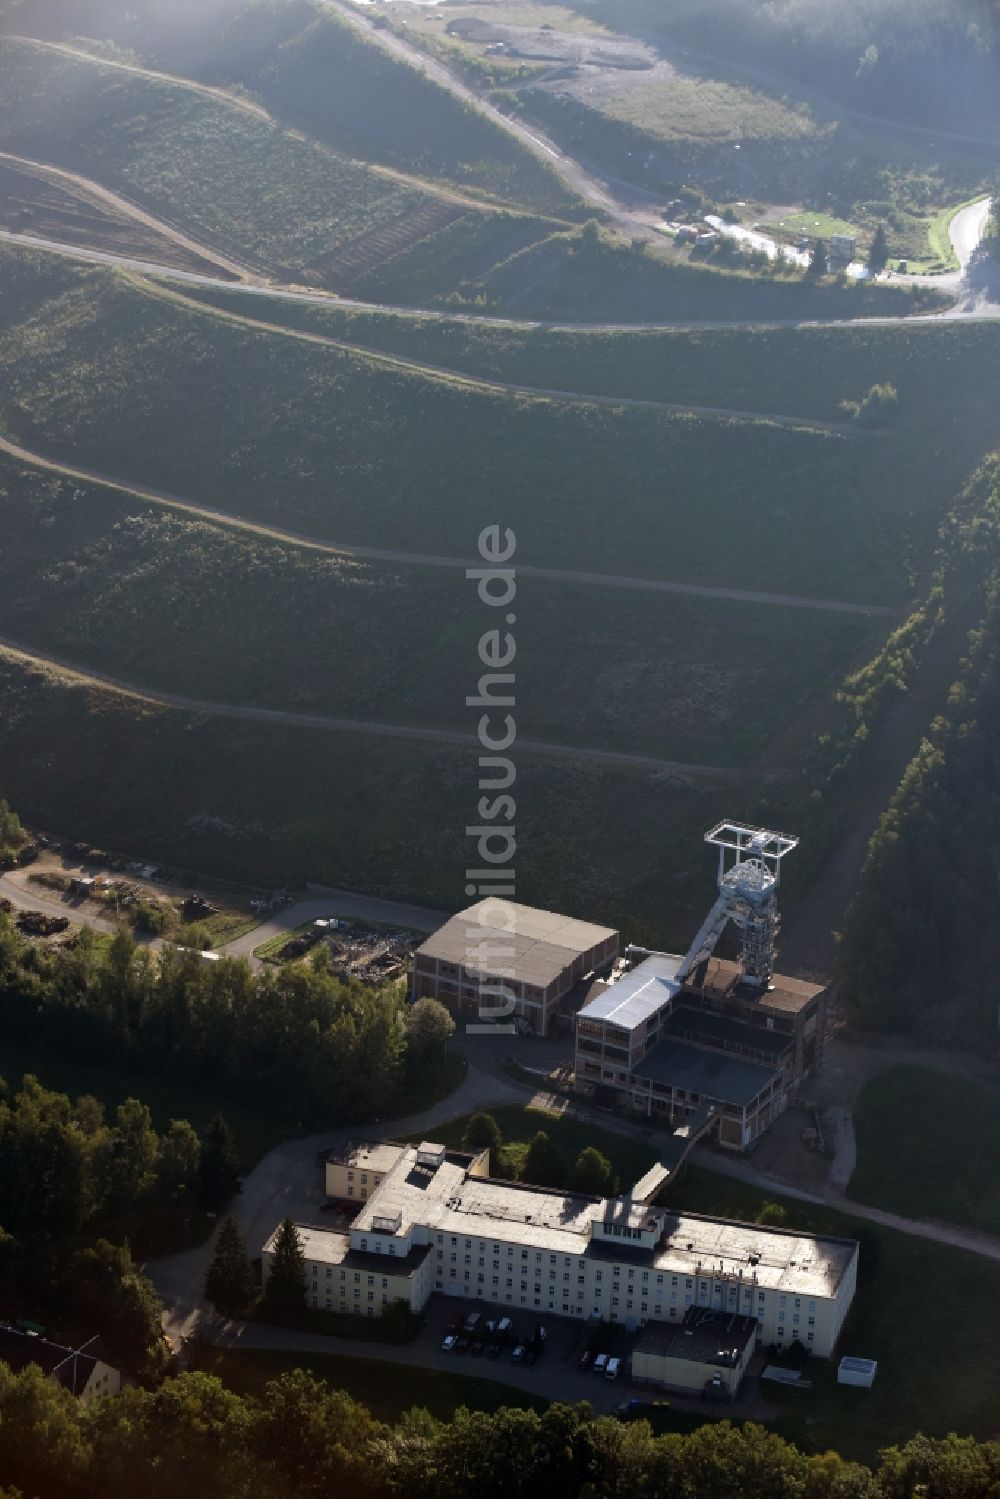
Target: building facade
(504,957)
(438,1222)
(665,1047)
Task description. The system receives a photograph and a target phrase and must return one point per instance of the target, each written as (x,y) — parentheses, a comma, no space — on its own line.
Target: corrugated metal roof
(535,948)
(631,999)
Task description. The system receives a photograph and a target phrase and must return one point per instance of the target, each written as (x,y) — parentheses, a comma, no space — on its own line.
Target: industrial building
(670,1034)
(514,962)
(439,1222)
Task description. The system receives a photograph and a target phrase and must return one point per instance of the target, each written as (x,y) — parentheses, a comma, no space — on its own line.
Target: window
(812,1321)
(371,1280)
(385,1283)
(315,1269)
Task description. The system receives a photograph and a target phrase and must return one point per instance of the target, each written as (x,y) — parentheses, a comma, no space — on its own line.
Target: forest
(296,1043)
(301,1438)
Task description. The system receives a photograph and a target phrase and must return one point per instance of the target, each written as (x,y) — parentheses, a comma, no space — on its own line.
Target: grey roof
(631,999)
(711,1074)
(72,1369)
(535,948)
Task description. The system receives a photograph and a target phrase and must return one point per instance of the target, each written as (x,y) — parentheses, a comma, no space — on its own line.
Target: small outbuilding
(709,1352)
(857,1371)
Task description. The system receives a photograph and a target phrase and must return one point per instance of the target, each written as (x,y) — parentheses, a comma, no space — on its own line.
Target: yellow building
(342,1279)
(356,1170)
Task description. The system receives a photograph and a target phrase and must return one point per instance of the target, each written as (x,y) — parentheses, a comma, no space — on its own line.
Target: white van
(600,1363)
(611,1372)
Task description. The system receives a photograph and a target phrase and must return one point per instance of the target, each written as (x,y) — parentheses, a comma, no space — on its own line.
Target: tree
(543,1165)
(817,260)
(878,254)
(229,1282)
(218,1177)
(773,1215)
(131,1150)
(12,834)
(428,1026)
(177,1170)
(593,1174)
(285,1291)
(482,1131)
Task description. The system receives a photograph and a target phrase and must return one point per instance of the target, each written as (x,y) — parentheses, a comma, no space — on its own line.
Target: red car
(586,1359)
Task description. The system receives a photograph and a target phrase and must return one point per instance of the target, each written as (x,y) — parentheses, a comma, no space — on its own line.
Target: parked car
(600,1363)
(613,1369)
(586,1359)
(518,1354)
(472,1321)
(493,1351)
(461,1345)
(449,1343)
(455,1325)
(503,1325)
(531,1358)
(476,1349)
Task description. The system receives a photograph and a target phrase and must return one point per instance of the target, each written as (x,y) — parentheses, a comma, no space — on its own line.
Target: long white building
(438,1222)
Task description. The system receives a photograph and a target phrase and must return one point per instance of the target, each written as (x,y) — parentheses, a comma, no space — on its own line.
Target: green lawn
(630,1158)
(921,1310)
(254,1134)
(924,1147)
(387,1389)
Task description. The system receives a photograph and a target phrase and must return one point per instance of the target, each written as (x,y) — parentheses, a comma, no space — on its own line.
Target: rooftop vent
(429,1154)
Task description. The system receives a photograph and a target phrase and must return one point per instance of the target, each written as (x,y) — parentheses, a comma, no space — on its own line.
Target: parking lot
(549,1366)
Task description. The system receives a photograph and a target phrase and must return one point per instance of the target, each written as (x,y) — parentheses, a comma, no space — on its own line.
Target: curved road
(287,719)
(428,559)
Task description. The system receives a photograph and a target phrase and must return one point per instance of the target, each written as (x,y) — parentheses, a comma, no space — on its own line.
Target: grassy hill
(145,389)
(315,71)
(171,602)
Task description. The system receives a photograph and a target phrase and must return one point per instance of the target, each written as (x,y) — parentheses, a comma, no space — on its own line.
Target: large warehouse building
(437,1222)
(498,949)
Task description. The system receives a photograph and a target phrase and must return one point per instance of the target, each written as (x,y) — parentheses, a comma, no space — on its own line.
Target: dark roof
(726,1032)
(710,1074)
(383,1264)
(19,1349)
(704,1337)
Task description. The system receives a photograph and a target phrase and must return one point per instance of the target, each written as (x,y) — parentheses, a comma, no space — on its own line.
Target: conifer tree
(218,1177)
(229,1282)
(285,1291)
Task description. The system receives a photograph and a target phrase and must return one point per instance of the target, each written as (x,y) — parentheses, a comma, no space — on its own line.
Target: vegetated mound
(921,944)
(276,805)
(180,604)
(112,375)
(314,69)
(911,1123)
(927,63)
(224,173)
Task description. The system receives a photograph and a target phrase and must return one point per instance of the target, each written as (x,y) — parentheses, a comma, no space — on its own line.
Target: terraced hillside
(316,72)
(220,169)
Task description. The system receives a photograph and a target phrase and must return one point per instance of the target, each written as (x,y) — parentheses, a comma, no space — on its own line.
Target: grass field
(387,1389)
(914,1312)
(110,376)
(918,1133)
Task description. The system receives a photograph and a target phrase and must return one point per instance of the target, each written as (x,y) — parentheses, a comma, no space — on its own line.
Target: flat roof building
(516,961)
(710,1351)
(439,1222)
